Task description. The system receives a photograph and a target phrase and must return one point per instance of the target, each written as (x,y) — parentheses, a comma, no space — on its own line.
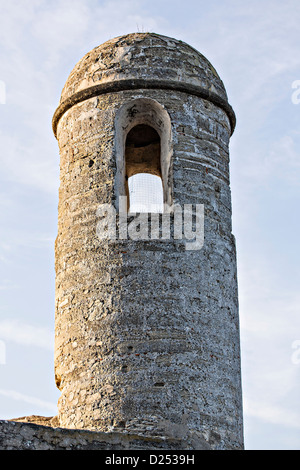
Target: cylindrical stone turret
(146,327)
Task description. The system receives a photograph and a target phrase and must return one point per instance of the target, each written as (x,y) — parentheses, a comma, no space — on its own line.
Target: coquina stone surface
(147,330)
(30,436)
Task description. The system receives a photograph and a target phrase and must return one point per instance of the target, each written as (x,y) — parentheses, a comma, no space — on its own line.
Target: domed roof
(143,55)
(142,60)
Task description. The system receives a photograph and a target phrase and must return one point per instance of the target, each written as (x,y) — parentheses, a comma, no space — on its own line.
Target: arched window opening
(143,145)
(143,170)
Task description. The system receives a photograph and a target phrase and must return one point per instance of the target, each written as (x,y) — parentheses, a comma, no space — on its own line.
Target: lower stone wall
(16,435)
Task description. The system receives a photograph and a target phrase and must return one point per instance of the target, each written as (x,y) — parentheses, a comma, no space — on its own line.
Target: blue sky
(254,46)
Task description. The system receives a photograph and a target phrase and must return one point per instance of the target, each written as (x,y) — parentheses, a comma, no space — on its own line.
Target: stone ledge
(18,435)
(137,84)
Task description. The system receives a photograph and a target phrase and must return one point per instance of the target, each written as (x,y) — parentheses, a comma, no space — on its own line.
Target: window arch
(143,145)
(143,182)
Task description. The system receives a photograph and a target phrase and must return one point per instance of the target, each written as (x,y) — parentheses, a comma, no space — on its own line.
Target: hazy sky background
(254,46)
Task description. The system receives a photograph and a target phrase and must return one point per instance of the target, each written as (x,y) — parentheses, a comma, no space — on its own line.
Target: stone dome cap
(143,61)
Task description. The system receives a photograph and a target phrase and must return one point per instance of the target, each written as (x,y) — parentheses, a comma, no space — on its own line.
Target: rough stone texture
(51,421)
(28,436)
(146,331)
(143,61)
(143,55)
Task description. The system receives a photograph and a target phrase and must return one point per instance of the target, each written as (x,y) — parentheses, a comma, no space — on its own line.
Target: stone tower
(146,327)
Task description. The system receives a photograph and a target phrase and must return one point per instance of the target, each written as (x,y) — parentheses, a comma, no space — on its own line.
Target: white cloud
(32,164)
(7,284)
(12,394)
(55,33)
(16,13)
(26,334)
(273,414)
(266,307)
(266,163)
(270,324)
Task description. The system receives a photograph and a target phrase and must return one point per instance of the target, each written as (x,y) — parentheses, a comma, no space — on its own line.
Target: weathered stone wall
(143,56)
(147,332)
(28,436)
